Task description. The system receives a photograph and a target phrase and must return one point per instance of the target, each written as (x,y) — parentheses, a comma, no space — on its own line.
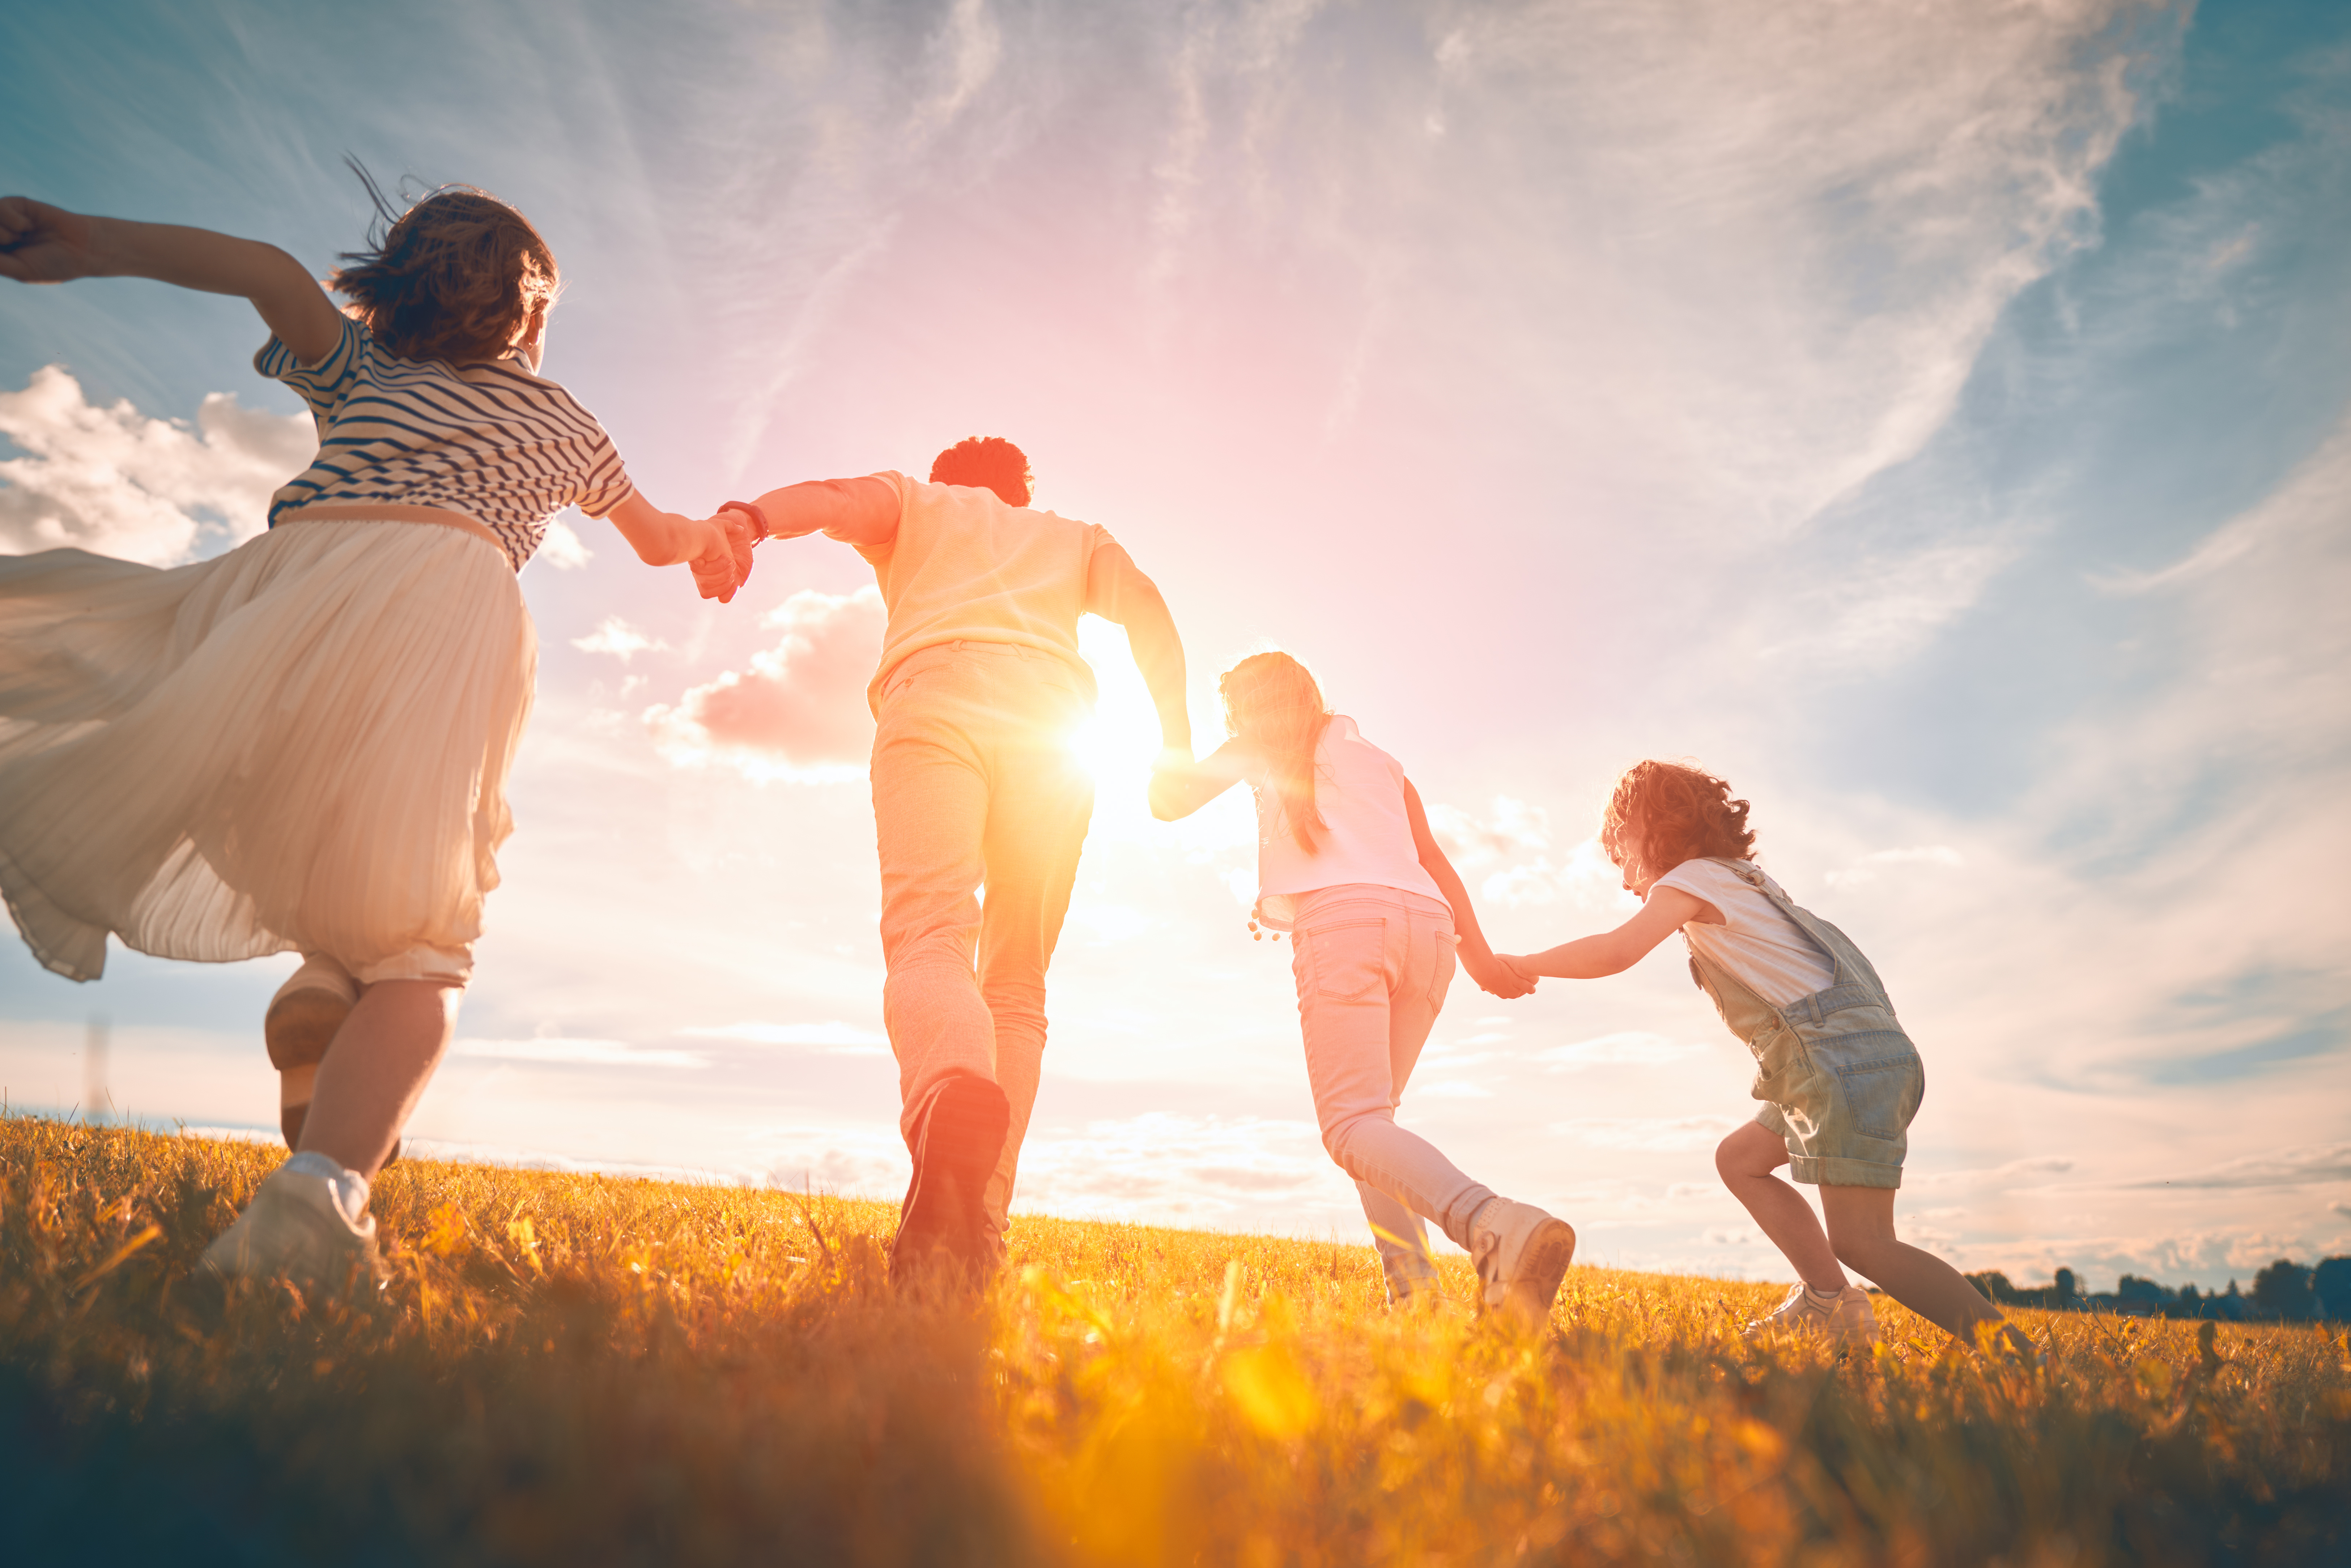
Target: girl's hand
(42,243)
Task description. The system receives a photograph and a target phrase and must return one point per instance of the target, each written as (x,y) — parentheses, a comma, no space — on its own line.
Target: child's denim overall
(1839,1079)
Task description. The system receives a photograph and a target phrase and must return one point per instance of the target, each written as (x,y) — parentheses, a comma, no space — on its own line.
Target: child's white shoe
(1522,1254)
(308,1223)
(1845,1318)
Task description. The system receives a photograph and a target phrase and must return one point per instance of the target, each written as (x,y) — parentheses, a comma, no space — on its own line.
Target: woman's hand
(706,545)
(42,243)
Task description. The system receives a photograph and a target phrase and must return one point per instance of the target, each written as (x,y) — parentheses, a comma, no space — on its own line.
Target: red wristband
(758,518)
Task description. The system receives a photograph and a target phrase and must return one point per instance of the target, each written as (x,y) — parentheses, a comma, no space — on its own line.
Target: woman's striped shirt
(491,440)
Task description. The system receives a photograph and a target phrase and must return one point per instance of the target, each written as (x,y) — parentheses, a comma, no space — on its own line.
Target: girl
(304,743)
(1838,1078)
(1345,862)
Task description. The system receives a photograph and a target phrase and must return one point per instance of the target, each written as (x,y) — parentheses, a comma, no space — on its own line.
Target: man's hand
(42,243)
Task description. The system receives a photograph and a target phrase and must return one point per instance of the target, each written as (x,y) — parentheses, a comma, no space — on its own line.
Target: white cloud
(1867,868)
(617,637)
(115,482)
(1666,1134)
(834,1038)
(1626,1048)
(800,711)
(562,549)
(578,1053)
(1511,829)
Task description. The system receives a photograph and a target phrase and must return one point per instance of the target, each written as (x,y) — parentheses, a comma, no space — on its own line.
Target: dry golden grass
(584,1370)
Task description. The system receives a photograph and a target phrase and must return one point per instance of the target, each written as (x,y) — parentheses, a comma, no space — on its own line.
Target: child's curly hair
(457,277)
(1662,813)
(984,462)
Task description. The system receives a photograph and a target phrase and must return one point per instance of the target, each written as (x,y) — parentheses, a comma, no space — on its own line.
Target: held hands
(1495,974)
(718,564)
(42,243)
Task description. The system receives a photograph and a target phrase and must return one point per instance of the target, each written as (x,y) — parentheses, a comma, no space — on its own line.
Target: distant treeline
(2286,1291)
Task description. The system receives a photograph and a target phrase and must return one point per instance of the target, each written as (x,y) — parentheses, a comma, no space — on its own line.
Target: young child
(304,743)
(1839,1079)
(1347,865)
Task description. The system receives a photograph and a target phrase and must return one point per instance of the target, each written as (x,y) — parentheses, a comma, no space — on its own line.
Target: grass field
(582,1370)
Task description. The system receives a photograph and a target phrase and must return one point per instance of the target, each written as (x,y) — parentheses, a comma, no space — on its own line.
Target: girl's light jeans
(1373,965)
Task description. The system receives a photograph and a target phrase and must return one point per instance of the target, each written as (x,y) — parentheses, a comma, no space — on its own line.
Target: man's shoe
(942,1226)
(307,1011)
(296,1229)
(1847,1317)
(1522,1254)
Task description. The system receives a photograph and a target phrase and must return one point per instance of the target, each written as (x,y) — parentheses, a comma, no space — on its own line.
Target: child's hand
(1495,975)
(42,243)
(1519,968)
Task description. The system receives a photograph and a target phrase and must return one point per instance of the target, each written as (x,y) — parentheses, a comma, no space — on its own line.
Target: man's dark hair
(984,462)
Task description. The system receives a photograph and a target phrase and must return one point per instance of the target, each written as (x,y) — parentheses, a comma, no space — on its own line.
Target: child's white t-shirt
(1359,795)
(1762,948)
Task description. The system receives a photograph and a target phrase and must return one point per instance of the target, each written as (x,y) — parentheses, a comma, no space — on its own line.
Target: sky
(1935,420)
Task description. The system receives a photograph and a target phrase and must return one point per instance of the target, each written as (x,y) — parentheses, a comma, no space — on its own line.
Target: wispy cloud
(2290,1168)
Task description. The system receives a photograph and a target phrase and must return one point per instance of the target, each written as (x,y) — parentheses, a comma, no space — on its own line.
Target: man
(975,785)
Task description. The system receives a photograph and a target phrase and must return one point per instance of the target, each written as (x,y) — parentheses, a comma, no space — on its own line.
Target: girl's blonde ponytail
(1273,702)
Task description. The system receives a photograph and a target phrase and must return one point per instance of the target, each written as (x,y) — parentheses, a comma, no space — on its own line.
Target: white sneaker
(298,1229)
(1522,1254)
(1845,1318)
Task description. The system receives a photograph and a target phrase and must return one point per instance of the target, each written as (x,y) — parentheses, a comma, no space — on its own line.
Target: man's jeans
(975,781)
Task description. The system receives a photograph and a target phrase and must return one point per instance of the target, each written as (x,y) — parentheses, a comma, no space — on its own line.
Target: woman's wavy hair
(1271,701)
(984,462)
(1662,813)
(457,277)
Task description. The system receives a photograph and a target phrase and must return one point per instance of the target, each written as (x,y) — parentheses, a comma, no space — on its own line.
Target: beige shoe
(1522,1254)
(1845,1319)
(307,1011)
(297,1229)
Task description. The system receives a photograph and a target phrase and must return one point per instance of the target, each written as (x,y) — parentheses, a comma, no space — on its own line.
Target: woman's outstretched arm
(42,243)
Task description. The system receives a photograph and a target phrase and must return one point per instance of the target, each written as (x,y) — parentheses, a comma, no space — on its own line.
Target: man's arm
(1116,589)
(860,512)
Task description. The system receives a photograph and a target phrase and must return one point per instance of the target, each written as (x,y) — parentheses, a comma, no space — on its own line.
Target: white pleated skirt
(302,744)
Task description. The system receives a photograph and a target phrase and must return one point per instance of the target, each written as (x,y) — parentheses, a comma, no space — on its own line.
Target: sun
(1118,743)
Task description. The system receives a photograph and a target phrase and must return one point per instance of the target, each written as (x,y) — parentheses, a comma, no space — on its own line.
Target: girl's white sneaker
(1522,1254)
(1844,1318)
(298,1228)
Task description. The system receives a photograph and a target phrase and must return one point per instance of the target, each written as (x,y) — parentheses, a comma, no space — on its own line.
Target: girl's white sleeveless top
(1359,793)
